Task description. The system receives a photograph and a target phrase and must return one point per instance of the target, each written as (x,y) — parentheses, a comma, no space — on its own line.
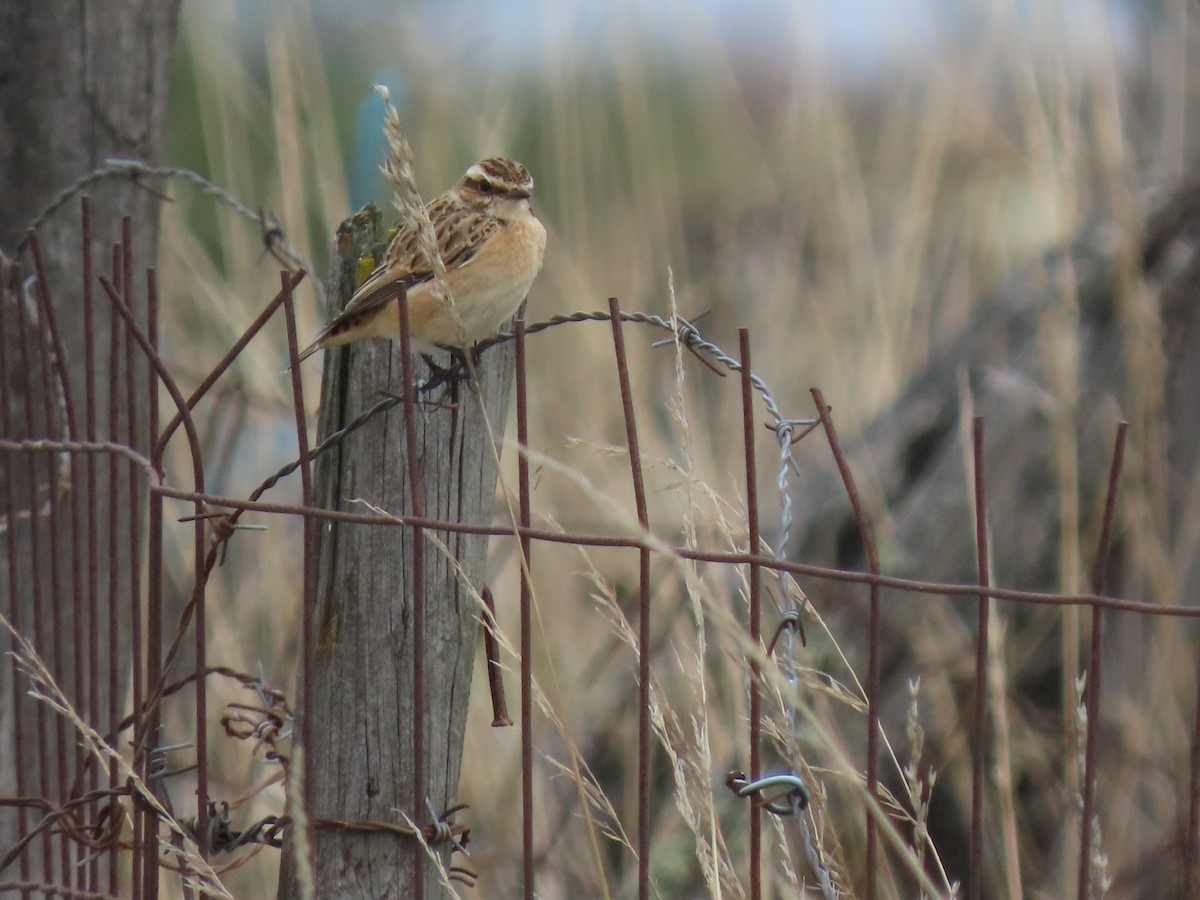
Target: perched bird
(492,246)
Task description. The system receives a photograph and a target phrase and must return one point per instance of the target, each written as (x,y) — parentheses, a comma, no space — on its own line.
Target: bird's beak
(518,194)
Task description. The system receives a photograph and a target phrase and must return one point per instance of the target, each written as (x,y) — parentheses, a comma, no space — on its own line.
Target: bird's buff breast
(487,290)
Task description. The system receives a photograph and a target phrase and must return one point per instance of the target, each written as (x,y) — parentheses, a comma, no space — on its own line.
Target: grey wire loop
(791,802)
(442,832)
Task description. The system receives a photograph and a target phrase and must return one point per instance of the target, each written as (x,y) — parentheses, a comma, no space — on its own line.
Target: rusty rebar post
(134,381)
(143,840)
(755,612)
(491,654)
(146,848)
(983,564)
(639,499)
(873,674)
(38,624)
(1096,663)
(122,254)
(45,342)
(14,611)
(162,375)
(309,597)
(90,483)
(526,602)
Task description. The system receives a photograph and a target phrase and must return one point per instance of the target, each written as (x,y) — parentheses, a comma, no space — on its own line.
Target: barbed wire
(134,169)
(688,335)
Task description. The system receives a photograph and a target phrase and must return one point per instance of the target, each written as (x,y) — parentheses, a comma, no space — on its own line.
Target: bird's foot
(439,375)
(444,400)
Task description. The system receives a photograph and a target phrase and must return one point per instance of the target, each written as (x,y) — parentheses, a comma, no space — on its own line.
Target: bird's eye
(485,187)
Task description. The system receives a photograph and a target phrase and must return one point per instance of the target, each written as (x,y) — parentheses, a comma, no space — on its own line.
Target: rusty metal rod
(826,573)
(308,671)
(975,871)
(1096,664)
(524,516)
(491,653)
(870,861)
(755,611)
(14,592)
(639,499)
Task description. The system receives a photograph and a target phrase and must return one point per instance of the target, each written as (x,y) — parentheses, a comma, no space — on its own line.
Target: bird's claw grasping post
(450,375)
(461,369)
(421,387)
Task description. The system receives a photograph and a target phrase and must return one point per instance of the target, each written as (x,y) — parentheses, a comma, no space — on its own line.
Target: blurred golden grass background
(851,214)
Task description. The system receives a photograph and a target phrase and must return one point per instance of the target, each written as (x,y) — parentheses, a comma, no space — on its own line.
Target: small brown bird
(492,246)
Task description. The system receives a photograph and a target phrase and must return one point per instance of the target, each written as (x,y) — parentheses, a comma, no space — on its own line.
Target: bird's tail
(305,354)
(310,350)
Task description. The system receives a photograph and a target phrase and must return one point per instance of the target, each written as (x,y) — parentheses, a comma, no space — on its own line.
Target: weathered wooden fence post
(360,704)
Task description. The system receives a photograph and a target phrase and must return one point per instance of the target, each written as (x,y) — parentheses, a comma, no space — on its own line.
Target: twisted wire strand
(688,335)
(135,169)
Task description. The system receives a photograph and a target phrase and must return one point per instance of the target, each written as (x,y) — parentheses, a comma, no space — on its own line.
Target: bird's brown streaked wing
(460,241)
(460,235)
(380,288)
(460,232)
(399,265)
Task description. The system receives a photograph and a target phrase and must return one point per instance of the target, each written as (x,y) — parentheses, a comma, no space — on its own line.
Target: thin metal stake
(755,613)
(639,498)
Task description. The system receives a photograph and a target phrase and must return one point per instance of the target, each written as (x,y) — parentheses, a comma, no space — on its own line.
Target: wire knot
(791,802)
(790,621)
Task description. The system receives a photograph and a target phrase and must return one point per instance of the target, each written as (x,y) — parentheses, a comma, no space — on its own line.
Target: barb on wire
(441,830)
(158,760)
(221,526)
(691,323)
(788,623)
(689,337)
(157,773)
(265,725)
(221,837)
(807,426)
